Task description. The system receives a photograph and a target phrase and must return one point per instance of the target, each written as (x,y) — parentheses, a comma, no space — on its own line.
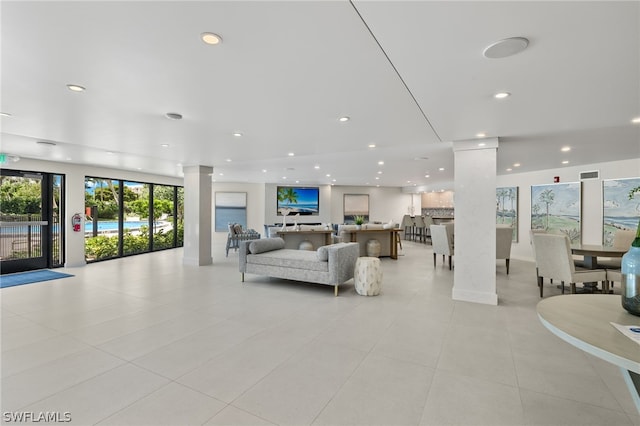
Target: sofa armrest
(342,261)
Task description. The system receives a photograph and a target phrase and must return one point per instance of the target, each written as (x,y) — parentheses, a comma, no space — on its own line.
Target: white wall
(385,204)
(591,198)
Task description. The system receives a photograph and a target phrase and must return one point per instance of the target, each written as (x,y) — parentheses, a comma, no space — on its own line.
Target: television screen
(303,200)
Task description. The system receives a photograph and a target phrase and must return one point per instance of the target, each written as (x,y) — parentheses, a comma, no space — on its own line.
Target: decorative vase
(373,248)
(358,227)
(631,280)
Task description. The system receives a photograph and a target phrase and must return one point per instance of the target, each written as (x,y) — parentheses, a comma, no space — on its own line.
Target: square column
(197,215)
(474,277)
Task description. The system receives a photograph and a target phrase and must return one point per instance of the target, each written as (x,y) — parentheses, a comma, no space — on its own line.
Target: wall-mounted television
(303,200)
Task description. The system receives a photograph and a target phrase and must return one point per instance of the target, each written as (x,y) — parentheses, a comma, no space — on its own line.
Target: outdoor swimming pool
(106,226)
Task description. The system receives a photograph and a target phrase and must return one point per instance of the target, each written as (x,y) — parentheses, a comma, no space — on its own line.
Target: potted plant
(359,220)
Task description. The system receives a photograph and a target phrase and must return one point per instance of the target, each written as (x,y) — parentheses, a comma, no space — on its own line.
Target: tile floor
(147,341)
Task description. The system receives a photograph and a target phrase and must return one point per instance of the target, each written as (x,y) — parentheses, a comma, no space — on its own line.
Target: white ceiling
(411,75)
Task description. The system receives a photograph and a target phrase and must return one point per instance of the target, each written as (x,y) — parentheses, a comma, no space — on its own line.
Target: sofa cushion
(289,258)
(265,245)
(323,253)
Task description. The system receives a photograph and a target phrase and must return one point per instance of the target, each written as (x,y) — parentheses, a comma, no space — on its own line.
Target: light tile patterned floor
(147,341)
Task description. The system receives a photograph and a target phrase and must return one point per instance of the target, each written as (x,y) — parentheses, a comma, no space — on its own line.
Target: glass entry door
(28,201)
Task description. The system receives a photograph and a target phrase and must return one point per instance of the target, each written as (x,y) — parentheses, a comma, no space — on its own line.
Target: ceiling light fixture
(635,120)
(328,175)
(316,167)
(516,164)
(237,134)
(481,144)
(502,95)
(164,145)
(75,88)
(343,119)
(173,116)
(565,162)
(379,172)
(291,154)
(426,176)
(264,170)
(506,47)
(372,145)
(380,163)
(441,169)
(211,38)
(565,149)
(228,160)
(481,135)
(509,169)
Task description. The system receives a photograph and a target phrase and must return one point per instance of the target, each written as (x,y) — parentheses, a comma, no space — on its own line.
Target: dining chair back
(504,238)
(554,261)
(442,242)
(407,226)
(418,229)
(428,221)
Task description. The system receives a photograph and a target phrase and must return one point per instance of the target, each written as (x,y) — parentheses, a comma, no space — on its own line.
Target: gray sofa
(330,265)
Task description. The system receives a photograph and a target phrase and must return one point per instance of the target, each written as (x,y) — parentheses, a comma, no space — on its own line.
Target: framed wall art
(356,205)
(507,208)
(230,207)
(556,208)
(618,211)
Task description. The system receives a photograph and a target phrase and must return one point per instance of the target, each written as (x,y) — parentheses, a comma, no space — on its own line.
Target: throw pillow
(265,245)
(237,228)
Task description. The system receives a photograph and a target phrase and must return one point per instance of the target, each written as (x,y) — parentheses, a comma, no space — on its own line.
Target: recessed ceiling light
(237,134)
(509,169)
(211,38)
(173,116)
(426,176)
(228,160)
(291,154)
(110,152)
(343,119)
(377,178)
(316,167)
(328,175)
(264,170)
(565,162)
(372,145)
(221,174)
(506,47)
(297,181)
(380,163)
(441,169)
(284,177)
(482,144)
(333,180)
(48,143)
(481,135)
(502,95)
(5,114)
(165,145)
(565,149)
(636,120)
(379,172)
(516,164)
(75,88)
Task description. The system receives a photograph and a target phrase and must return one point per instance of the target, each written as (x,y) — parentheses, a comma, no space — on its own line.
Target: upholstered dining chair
(418,228)
(407,226)
(442,242)
(504,238)
(622,239)
(554,261)
(428,221)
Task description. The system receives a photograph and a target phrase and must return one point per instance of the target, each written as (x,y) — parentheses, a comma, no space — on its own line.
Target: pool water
(113,225)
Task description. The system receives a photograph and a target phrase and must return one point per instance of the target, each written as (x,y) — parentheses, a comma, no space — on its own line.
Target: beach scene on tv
(294,200)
